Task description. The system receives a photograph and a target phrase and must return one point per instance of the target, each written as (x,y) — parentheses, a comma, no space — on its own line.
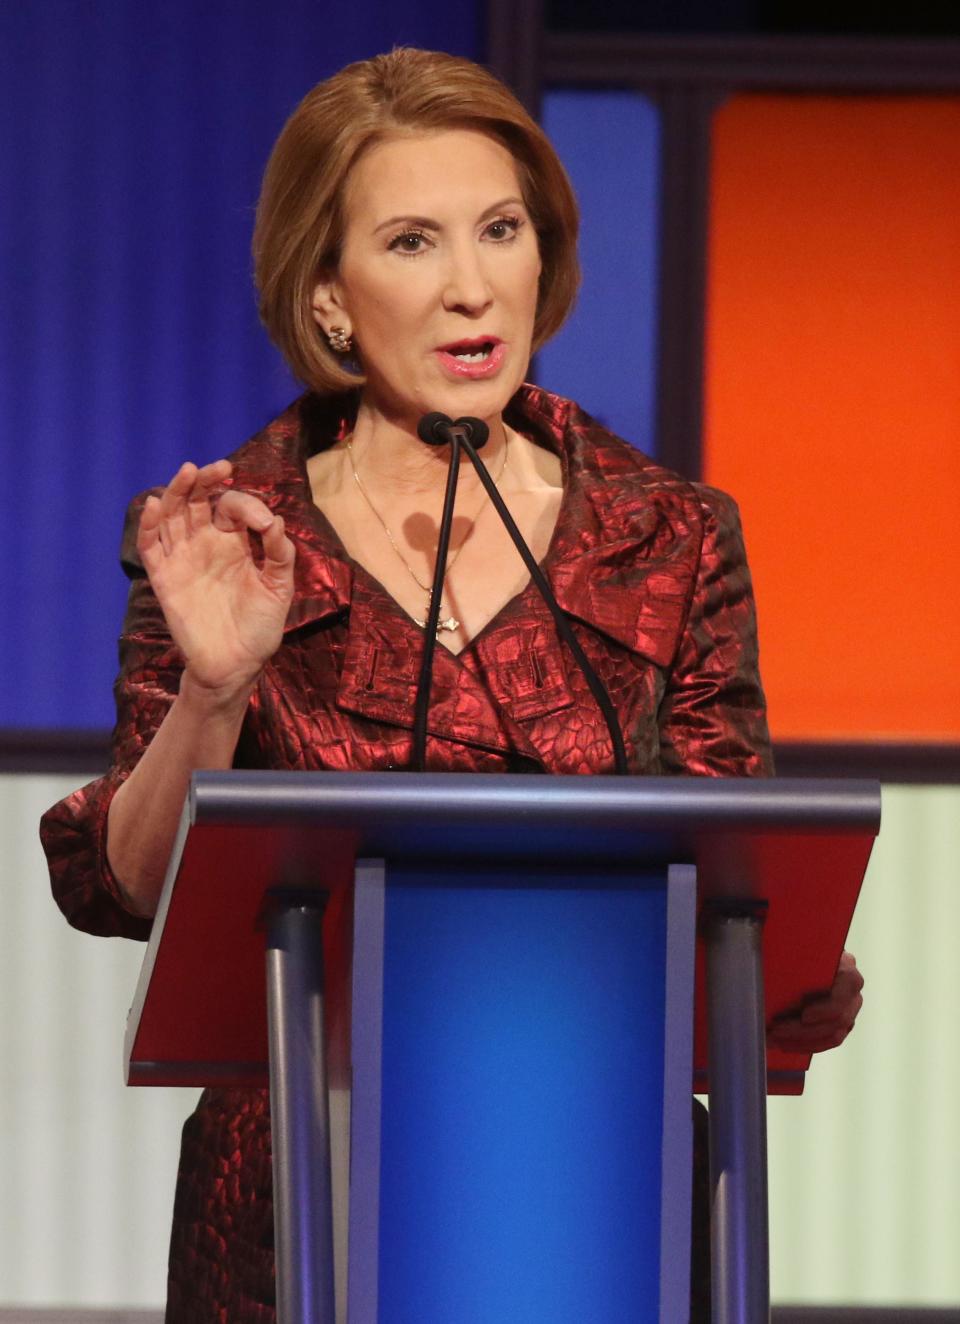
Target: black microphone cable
(436,430)
(471,434)
(597,688)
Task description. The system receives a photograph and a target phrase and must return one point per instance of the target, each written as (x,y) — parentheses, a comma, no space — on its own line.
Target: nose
(467,286)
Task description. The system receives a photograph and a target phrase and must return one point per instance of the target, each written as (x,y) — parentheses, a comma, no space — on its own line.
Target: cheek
(384,306)
(534,270)
(533,290)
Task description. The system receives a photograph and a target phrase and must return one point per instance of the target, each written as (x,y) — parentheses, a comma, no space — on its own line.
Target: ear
(327,306)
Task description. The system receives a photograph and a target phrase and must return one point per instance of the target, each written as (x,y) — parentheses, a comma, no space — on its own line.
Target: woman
(415,242)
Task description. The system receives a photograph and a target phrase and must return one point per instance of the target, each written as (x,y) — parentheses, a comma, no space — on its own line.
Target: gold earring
(340,342)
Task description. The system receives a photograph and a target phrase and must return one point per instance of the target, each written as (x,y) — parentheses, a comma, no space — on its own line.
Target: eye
(504,228)
(410,243)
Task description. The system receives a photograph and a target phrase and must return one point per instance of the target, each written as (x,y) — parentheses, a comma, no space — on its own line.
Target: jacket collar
(624,554)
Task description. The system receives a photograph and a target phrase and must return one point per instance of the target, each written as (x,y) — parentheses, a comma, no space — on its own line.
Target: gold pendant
(451,624)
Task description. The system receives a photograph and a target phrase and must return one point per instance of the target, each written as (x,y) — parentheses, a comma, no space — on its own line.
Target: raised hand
(225,612)
(825,1021)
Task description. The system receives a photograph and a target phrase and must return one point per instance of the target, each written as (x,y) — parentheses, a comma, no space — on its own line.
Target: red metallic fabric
(650,569)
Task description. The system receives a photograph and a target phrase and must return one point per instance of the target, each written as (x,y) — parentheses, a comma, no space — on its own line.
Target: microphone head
(476,430)
(432,429)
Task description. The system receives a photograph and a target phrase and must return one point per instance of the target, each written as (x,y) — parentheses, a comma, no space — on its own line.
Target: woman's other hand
(825,1020)
(225,612)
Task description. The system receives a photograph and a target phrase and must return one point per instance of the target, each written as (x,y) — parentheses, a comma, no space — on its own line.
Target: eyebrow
(426,223)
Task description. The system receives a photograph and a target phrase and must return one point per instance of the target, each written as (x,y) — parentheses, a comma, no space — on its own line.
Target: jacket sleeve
(712,718)
(74,832)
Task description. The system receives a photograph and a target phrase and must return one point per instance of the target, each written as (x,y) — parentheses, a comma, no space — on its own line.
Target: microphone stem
(564,628)
(422,704)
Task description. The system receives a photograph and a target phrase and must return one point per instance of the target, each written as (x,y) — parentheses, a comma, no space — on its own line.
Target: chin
(486,400)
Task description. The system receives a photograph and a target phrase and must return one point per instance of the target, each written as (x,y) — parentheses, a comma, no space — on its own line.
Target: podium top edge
(702,804)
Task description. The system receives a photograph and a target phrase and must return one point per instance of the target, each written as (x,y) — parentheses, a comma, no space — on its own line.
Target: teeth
(472,356)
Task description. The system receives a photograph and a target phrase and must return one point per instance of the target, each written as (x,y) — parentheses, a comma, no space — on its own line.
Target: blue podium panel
(508,1155)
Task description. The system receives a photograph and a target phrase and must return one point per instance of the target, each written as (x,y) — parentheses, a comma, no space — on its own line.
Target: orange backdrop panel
(833,402)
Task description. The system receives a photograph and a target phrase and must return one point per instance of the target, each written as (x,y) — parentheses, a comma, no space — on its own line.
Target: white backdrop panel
(88,1166)
(865,1167)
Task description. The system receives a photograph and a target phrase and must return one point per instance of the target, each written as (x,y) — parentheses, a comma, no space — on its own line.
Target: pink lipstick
(472,359)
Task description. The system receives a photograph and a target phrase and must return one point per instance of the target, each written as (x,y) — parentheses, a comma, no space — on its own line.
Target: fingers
(173,522)
(183,507)
(278,557)
(148,534)
(242,510)
(838,1006)
(825,1021)
(794,1037)
(793,1034)
(847,969)
(183,518)
(844,999)
(199,499)
(194,500)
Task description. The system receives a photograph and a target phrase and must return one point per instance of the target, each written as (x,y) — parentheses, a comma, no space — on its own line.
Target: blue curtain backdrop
(132,144)
(605,356)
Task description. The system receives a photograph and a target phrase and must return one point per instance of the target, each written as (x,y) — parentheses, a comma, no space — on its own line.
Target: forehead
(429,174)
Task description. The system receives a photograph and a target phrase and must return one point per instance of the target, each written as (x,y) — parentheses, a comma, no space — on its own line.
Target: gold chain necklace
(445,623)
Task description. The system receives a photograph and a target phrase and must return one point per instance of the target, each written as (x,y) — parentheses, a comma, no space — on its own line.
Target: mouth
(471,351)
(480,355)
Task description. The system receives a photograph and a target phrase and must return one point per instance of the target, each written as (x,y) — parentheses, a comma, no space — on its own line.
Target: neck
(394,460)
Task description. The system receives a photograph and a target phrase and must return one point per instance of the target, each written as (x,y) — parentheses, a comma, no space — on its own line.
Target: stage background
(132,147)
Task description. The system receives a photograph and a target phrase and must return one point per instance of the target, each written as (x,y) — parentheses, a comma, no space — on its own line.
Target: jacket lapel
(623,561)
(381,668)
(625,553)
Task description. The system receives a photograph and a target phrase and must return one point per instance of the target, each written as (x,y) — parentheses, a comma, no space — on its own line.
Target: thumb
(279,555)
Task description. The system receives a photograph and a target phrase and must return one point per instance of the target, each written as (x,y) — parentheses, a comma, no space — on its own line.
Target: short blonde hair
(299,226)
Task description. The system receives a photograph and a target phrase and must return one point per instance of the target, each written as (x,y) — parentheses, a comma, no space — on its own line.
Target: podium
(519,979)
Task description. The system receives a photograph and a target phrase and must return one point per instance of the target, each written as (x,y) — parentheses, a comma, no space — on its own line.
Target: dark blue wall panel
(133,141)
(605,357)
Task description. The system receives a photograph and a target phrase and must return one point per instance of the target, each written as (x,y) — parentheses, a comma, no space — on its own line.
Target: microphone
(471,434)
(435,429)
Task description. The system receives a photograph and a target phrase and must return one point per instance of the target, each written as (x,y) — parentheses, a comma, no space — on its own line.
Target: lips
(478,357)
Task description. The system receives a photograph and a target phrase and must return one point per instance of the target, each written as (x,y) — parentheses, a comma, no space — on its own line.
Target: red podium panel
(800,846)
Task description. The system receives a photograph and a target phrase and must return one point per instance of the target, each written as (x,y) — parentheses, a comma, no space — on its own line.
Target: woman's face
(438,276)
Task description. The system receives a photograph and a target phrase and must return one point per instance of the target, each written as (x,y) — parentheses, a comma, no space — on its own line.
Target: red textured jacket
(650,569)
